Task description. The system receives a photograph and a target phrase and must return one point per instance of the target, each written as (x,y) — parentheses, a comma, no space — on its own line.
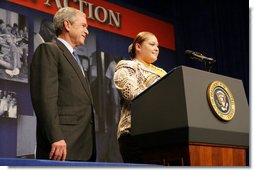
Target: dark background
(216,28)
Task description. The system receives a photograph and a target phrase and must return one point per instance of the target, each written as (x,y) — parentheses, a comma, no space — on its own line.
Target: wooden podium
(176,124)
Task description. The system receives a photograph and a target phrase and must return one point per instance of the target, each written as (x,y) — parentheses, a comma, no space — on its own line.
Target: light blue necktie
(78,61)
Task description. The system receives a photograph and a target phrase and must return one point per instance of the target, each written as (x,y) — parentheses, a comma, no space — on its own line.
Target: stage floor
(35,162)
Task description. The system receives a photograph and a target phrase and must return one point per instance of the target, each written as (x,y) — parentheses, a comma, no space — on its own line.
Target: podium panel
(176,110)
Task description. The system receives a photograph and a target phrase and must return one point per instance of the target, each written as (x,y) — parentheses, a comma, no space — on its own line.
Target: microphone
(198,56)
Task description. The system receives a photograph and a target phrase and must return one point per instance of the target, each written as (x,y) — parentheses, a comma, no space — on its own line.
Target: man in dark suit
(61,95)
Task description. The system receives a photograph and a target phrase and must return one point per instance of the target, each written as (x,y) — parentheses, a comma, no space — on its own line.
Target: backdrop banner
(110,17)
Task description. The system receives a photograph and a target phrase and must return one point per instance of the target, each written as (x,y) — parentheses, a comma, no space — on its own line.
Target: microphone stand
(198,56)
(209,65)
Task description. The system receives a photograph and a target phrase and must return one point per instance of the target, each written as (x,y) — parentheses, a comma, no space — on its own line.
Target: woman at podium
(131,78)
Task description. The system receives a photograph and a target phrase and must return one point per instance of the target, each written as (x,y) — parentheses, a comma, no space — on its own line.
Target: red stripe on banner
(131,22)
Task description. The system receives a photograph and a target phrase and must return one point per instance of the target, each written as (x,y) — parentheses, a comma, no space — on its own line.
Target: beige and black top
(131,78)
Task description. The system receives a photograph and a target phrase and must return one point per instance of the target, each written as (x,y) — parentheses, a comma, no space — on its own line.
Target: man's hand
(58,150)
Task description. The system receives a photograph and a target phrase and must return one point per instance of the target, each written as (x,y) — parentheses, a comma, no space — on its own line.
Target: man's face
(9,39)
(78,30)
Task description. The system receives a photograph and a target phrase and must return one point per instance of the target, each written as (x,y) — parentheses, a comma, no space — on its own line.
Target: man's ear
(67,25)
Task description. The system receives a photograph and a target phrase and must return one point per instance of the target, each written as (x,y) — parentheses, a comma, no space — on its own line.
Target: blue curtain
(218,29)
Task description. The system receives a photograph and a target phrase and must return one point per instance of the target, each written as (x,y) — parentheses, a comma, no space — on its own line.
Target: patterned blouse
(131,78)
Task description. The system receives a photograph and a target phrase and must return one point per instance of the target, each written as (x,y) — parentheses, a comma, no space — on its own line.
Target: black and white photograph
(13,46)
(8,104)
(43,31)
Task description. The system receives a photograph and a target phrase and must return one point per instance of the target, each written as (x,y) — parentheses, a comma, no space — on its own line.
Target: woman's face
(148,50)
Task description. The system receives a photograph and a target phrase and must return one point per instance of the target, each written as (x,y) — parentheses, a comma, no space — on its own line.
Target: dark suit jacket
(62,101)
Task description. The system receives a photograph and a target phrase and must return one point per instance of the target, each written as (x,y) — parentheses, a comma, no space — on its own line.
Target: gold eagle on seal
(221,100)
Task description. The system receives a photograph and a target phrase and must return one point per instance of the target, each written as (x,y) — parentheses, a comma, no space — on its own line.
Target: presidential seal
(221,100)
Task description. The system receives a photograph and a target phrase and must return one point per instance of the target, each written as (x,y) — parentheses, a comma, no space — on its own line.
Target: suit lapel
(74,64)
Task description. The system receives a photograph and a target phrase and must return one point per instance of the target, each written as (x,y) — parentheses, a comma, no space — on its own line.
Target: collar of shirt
(66,44)
(152,68)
